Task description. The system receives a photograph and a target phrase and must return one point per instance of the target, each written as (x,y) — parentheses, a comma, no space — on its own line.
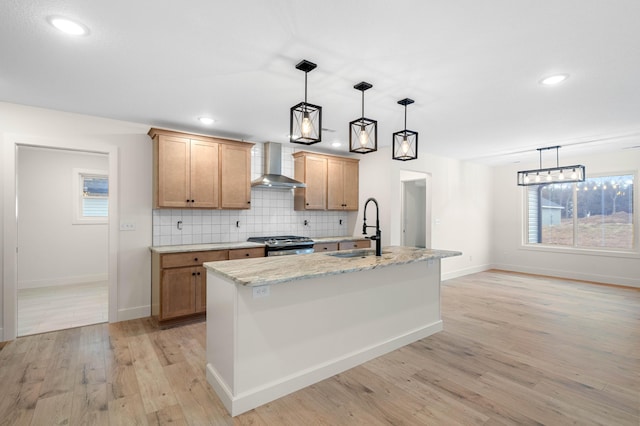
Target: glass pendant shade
(305,119)
(558,174)
(363,132)
(405,142)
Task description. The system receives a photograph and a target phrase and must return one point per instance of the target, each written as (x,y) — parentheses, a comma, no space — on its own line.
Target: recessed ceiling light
(206,120)
(554,79)
(68,26)
(336,144)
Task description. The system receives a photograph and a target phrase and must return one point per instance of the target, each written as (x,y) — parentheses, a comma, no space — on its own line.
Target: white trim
(63,281)
(571,275)
(134,313)
(10,258)
(466,271)
(261,395)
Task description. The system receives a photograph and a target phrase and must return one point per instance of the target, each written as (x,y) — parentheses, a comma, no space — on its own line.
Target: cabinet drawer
(325,247)
(246,253)
(348,245)
(194,258)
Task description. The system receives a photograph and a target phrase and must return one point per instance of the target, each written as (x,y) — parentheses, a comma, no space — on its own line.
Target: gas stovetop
(282,241)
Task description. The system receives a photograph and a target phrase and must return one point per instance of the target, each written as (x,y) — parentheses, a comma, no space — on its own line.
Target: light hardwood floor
(516,350)
(56,308)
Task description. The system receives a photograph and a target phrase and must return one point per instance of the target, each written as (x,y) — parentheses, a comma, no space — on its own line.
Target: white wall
(52,249)
(508,252)
(26,125)
(461,200)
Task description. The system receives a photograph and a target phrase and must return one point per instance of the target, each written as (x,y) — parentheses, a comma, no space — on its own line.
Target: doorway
(416,217)
(63,238)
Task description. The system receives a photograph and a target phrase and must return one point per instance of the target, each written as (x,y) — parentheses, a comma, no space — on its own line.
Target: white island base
(303,331)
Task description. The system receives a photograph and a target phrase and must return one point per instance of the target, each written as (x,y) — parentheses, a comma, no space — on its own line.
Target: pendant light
(405,142)
(558,174)
(363,132)
(305,124)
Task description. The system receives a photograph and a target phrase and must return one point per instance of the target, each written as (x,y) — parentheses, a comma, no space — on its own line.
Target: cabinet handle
(248,202)
(325,248)
(193,201)
(198,273)
(195,259)
(193,274)
(188,201)
(246,254)
(307,203)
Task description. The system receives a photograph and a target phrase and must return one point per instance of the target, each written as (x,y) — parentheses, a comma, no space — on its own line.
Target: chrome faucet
(378,237)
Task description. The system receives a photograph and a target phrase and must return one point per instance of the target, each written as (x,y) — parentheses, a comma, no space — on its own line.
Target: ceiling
(472,67)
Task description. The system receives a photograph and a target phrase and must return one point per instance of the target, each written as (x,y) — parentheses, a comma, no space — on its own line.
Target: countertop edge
(204,247)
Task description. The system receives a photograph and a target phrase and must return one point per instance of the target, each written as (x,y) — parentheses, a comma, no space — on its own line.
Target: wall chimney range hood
(272,176)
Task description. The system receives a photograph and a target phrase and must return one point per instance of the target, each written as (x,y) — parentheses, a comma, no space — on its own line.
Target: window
(91,189)
(597,213)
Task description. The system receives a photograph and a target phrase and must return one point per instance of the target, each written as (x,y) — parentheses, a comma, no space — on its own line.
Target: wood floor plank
(516,349)
(154,387)
(54,410)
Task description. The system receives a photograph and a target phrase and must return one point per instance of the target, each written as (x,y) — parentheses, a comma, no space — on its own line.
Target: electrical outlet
(127,226)
(260,291)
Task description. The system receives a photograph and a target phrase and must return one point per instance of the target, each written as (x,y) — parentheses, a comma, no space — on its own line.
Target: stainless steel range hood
(272,177)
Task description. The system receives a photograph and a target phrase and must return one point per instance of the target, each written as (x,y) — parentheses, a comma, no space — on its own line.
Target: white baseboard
(238,404)
(134,313)
(573,275)
(467,271)
(56,282)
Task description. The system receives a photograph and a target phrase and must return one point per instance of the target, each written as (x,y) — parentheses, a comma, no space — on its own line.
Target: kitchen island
(276,325)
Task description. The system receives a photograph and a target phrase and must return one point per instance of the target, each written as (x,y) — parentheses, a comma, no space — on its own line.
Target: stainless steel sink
(353,253)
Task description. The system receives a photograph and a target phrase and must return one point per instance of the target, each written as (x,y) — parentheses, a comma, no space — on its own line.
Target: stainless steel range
(285,244)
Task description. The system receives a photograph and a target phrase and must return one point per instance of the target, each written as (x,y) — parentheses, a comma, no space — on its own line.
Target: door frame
(10,246)
(406,176)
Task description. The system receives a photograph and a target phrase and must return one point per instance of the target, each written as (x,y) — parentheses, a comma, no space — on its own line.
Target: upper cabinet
(342,184)
(332,182)
(200,171)
(235,176)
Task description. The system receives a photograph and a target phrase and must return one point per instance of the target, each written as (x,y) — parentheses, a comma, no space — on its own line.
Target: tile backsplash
(271,213)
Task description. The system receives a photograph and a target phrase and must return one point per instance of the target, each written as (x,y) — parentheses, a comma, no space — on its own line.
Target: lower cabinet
(342,245)
(179,281)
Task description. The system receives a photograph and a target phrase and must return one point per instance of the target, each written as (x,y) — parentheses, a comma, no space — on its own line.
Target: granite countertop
(238,245)
(280,269)
(205,247)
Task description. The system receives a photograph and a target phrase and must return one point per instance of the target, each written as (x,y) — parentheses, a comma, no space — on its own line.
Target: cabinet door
(315,176)
(201,289)
(178,292)
(173,171)
(335,184)
(247,253)
(204,174)
(235,177)
(351,175)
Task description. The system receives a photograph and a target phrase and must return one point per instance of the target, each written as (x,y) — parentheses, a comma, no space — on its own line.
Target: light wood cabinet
(342,184)
(179,281)
(323,247)
(332,182)
(312,170)
(342,245)
(355,244)
(193,171)
(235,176)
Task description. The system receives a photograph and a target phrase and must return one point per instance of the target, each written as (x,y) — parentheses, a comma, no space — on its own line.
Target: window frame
(77,178)
(595,251)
